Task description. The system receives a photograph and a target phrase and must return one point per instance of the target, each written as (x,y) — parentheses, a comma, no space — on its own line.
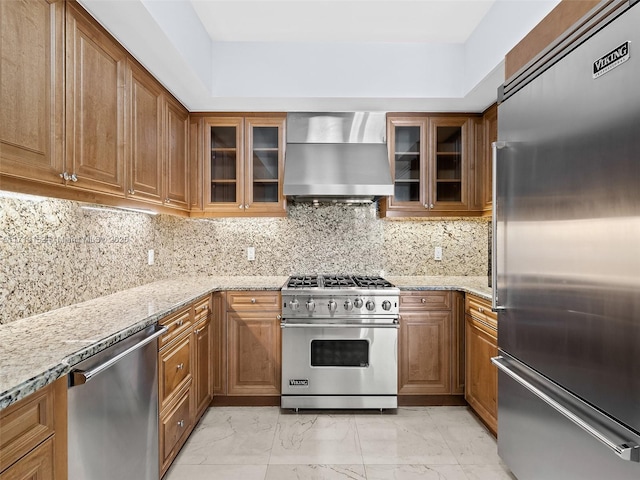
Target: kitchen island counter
(36,351)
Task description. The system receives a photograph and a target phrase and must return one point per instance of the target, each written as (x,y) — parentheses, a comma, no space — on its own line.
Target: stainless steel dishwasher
(113,411)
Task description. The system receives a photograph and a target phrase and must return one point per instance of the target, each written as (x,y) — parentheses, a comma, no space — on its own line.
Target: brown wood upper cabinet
(490,133)
(96,71)
(433,165)
(243,161)
(32,93)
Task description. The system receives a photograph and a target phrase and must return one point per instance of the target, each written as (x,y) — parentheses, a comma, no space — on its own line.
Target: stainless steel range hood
(339,157)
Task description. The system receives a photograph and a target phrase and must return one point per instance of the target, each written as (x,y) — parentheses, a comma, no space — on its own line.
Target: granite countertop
(475,285)
(38,350)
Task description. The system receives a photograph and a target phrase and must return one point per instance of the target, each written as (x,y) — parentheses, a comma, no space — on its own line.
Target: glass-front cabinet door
(224,169)
(448,154)
(264,164)
(407,148)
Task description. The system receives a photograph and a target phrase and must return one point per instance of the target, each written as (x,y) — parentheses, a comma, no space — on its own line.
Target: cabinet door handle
(200,330)
(253,300)
(423,300)
(203,308)
(481,310)
(431,205)
(180,322)
(240,207)
(180,366)
(246,207)
(132,191)
(181,423)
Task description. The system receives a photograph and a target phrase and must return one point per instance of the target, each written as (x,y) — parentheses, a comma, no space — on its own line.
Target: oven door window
(339,353)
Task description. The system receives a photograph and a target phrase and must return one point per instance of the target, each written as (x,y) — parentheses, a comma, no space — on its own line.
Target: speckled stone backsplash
(54,253)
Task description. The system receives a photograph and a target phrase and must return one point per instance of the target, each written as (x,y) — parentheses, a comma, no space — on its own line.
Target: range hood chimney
(337,157)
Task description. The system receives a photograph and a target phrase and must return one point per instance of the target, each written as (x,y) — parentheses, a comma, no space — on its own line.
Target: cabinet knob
(246,207)
(253,300)
(279,317)
(181,423)
(481,310)
(431,205)
(180,366)
(240,207)
(132,191)
(423,300)
(180,322)
(426,205)
(167,200)
(73,177)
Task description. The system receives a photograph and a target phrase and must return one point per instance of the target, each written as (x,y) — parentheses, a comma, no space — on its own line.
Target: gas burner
(302,281)
(371,282)
(338,281)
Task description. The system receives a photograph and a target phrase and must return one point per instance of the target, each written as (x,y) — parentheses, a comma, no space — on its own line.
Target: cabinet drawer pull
(200,330)
(180,322)
(180,366)
(253,300)
(481,310)
(181,423)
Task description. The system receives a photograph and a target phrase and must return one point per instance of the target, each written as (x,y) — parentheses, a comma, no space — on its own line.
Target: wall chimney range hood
(337,157)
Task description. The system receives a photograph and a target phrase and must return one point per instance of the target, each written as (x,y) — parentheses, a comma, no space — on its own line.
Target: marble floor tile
(415,472)
(472,445)
(316,439)
(408,438)
(487,472)
(216,472)
(233,436)
(452,416)
(315,472)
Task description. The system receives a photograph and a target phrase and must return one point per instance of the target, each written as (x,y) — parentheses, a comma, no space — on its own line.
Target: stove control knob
(332,306)
(357,303)
(348,305)
(370,305)
(386,305)
(294,305)
(311,305)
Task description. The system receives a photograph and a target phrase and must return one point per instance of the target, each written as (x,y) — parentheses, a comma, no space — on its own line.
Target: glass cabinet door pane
(448,164)
(223,137)
(223,192)
(223,165)
(407,163)
(265,162)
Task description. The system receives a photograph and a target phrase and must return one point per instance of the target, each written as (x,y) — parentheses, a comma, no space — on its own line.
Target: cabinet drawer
(429,300)
(246,300)
(175,425)
(176,324)
(174,371)
(37,464)
(202,308)
(480,309)
(26,424)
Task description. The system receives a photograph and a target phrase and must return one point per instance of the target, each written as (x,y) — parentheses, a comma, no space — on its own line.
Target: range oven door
(339,360)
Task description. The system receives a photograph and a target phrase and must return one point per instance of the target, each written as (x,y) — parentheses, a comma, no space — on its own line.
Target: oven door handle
(338,325)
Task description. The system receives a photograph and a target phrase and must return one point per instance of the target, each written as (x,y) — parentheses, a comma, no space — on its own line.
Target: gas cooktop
(337,281)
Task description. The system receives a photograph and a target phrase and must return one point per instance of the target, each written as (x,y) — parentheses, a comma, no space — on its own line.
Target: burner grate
(371,282)
(338,281)
(299,281)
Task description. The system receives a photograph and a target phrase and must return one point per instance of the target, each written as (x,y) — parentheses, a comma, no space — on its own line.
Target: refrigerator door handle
(629,450)
(495,146)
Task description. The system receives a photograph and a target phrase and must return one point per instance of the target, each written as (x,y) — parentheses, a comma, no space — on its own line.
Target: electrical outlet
(251,253)
(151,257)
(437,254)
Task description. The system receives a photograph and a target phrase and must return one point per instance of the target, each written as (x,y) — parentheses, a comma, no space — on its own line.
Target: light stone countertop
(475,285)
(38,350)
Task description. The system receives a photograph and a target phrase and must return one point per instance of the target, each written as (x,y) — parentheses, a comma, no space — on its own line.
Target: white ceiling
(333,55)
(444,21)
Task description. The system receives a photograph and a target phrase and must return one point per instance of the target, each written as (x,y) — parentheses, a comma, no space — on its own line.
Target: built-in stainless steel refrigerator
(567,255)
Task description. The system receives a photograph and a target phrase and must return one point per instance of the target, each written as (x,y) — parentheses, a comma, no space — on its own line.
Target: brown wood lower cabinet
(33,435)
(481,345)
(185,381)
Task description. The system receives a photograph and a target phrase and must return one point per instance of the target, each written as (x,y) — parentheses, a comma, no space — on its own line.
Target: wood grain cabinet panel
(203,371)
(176,163)
(175,426)
(96,68)
(481,344)
(175,370)
(219,333)
(490,132)
(145,136)
(424,353)
(32,89)
(36,465)
(254,353)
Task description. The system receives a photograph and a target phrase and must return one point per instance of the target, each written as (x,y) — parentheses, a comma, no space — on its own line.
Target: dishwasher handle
(80,377)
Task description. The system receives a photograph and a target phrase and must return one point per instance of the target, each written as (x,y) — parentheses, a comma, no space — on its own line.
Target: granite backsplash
(55,253)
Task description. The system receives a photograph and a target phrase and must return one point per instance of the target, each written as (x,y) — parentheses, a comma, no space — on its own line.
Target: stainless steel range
(339,342)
